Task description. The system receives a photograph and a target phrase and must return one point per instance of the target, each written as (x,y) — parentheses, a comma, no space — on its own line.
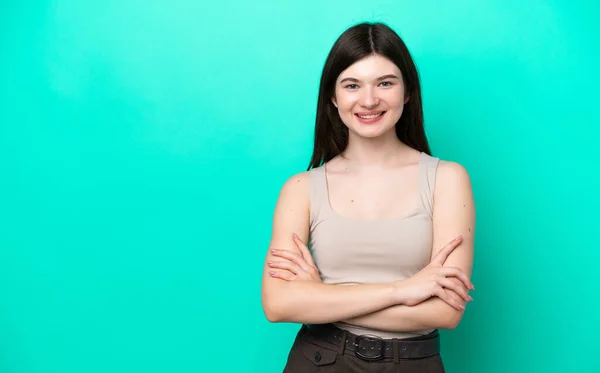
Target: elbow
(450,319)
(451,324)
(280,304)
(275,303)
(272,314)
(274,310)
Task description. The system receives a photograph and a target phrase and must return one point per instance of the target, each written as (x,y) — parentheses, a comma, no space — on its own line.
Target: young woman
(390,227)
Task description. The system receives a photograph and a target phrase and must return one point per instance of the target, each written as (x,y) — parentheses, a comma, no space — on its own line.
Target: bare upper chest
(373,195)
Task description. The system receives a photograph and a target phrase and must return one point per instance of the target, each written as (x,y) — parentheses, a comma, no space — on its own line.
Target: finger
(306,254)
(458,273)
(446,297)
(458,283)
(456,298)
(445,251)
(442,255)
(455,286)
(294,257)
(282,275)
(295,269)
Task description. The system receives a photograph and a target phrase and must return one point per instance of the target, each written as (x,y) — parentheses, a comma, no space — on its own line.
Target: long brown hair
(357,42)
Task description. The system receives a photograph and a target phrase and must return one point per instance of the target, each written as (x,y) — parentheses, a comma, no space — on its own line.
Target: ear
(334,101)
(406,99)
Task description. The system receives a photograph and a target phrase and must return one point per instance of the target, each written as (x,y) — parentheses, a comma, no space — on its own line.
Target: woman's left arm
(453,215)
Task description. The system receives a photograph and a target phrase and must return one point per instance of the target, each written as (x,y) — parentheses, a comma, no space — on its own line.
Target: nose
(369,98)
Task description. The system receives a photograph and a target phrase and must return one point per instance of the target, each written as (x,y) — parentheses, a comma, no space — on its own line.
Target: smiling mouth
(370,116)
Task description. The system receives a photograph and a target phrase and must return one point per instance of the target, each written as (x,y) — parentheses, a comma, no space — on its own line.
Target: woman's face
(369,96)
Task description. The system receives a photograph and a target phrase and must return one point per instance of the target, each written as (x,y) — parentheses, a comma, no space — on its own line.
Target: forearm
(317,303)
(430,314)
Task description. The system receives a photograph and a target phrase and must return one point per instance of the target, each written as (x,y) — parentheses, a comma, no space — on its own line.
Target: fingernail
(273,250)
(295,235)
(270,261)
(458,238)
(272,273)
(461,306)
(470,298)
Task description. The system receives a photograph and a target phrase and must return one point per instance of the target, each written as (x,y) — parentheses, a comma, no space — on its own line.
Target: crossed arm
(381,305)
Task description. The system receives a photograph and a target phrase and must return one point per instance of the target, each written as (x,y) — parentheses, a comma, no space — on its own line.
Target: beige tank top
(350,251)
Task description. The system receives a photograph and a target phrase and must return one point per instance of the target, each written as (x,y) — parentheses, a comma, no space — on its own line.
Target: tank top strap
(427,173)
(319,195)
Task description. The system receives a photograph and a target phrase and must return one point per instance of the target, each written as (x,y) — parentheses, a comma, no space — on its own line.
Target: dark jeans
(310,354)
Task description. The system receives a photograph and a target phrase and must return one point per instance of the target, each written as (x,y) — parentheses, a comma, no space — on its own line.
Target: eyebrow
(384,77)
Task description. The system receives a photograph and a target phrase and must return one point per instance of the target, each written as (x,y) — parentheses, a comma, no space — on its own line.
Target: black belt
(369,347)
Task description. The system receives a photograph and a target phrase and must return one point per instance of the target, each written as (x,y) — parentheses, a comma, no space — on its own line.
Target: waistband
(370,347)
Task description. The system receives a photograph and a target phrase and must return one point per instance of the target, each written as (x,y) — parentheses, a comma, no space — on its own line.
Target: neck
(378,152)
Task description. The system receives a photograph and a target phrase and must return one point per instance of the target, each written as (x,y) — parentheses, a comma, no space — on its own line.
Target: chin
(373,132)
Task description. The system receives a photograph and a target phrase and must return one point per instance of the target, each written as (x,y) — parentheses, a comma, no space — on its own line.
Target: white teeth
(369,116)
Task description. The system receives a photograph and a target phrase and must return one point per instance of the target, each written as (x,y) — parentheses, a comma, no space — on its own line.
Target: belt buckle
(369,347)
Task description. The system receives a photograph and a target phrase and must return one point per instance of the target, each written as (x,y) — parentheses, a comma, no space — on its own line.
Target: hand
(298,266)
(434,279)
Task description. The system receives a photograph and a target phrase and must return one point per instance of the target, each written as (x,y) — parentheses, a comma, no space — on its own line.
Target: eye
(386,84)
(351,86)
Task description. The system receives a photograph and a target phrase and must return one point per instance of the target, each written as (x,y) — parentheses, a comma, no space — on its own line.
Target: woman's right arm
(312,301)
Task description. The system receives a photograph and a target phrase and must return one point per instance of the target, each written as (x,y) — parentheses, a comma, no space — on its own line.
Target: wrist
(398,293)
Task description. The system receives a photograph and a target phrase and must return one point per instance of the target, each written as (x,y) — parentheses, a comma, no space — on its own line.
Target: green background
(143,145)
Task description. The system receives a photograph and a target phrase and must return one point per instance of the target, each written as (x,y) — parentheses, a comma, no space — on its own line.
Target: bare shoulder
(301,178)
(451,175)
(296,187)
